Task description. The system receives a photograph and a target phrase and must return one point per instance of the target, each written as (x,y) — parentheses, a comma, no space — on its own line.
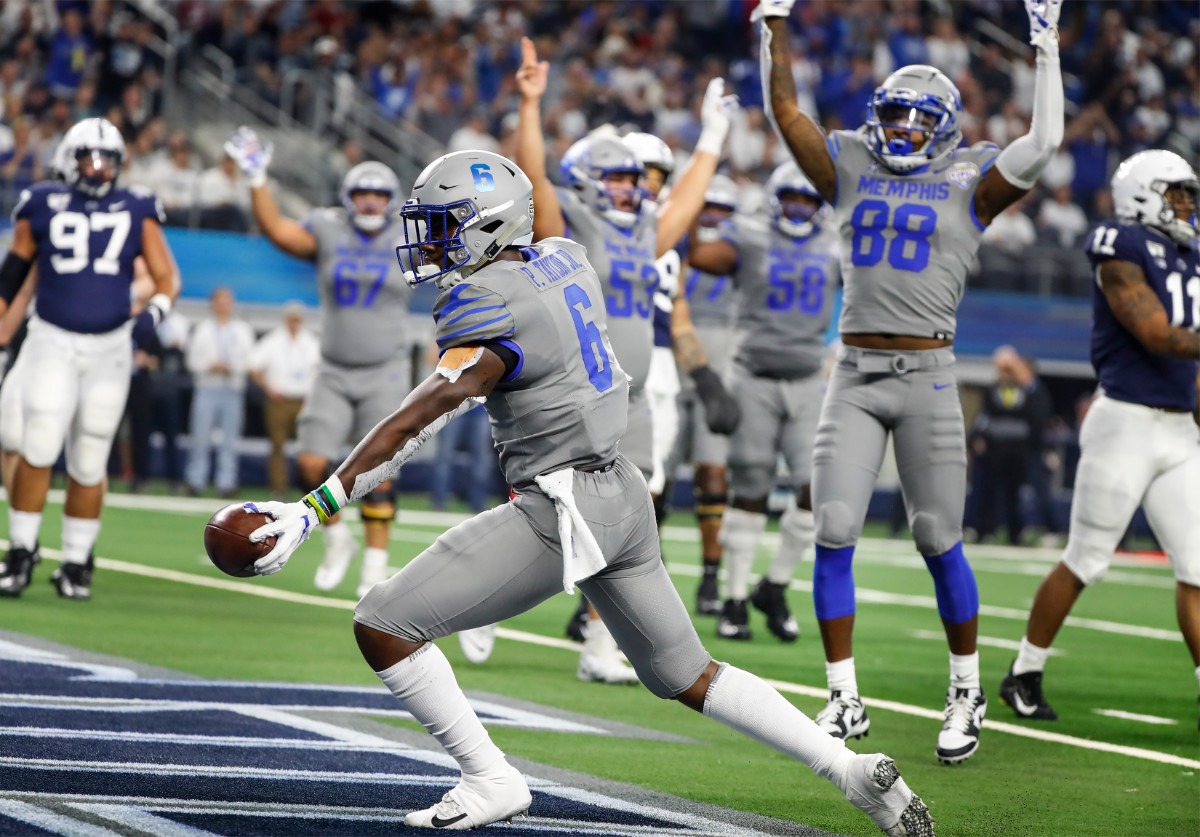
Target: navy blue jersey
(1126,370)
(85,252)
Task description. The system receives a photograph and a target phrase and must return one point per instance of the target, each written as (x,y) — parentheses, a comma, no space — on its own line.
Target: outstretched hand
(251,155)
(293,523)
(772,8)
(532,74)
(1043,21)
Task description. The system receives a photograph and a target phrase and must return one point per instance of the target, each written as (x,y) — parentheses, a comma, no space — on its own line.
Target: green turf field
(1130,771)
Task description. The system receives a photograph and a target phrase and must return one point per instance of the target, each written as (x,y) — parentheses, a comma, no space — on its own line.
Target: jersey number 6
(591,344)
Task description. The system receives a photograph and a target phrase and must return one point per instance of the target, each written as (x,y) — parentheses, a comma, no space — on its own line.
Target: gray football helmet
(916,97)
(465,208)
(98,140)
(723,192)
(370,177)
(799,223)
(1139,189)
(586,165)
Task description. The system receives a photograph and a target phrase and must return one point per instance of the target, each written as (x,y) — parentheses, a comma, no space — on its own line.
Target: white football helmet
(370,177)
(723,192)
(1139,192)
(592,159)
(801,222)
(465,208)
(99,141)
(651,151)
(916,97)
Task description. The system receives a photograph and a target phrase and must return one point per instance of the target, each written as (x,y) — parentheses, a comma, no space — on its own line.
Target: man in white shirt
(284,364)
(217,357)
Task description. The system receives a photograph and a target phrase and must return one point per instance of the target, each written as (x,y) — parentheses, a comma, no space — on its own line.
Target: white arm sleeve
(764,74)
(378,475)
(1024,159)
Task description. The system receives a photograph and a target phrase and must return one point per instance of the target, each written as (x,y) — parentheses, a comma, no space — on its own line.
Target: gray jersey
(787,288)
(909,239)
(712,300)
(364,298)
(567,400)
(624,261)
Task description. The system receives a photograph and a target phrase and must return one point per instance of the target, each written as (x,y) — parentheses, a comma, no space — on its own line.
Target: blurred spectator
(947,49)
(473,135)
(70,52)
(217,356)
(284,364)
(1011,231)
(1061,218)
(176,178)
(223,197)
(169,383)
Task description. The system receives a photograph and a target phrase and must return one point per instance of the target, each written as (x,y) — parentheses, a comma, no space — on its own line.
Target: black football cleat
(579,618)
(18,570)
(733,623)
(73,581)
(768,597)
(708,597)
(1023,693)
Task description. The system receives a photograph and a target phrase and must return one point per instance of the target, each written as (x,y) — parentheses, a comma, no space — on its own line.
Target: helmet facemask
(931,105)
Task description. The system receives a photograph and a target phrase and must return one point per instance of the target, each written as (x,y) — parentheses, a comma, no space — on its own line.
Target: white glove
(715,114)
(668,273)
(1043,22)
(772,8)
(293,524)
(250,154)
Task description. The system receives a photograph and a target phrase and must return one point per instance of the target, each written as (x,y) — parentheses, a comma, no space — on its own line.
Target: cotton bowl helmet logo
(465,208)
(1139,191)
(370,177)
(914,98)
(589,163)
(90,156)
(796,219)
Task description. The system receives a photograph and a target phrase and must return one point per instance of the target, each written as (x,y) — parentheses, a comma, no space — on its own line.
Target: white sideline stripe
(991,642)
(140,820)
(47,820)
(1133,716)
(218,771)
(208,740)
(1001,726)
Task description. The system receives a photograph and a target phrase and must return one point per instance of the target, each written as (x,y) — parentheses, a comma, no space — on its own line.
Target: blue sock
(833,582)
(954,583)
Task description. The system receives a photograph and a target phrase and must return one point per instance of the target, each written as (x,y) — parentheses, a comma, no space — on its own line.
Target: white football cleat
(874,786)
(476,802)
(844,716)
(372,573)
(477,643)
(339,552)
(959,737)
(601,660)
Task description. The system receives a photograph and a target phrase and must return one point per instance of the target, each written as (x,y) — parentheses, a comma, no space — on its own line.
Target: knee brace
(378,505)
(836,527)
(833,582)
(709,507)
(954,584)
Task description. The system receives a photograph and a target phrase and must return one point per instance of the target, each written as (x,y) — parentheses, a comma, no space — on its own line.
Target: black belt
(594,469)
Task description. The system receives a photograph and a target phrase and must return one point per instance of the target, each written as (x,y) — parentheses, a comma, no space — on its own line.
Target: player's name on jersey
(909,190)
(629,249)
(552,267)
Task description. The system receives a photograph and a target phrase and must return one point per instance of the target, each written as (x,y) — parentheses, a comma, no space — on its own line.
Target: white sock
(78,537)
(23,528)
(336,533)
(797,532)
(425,684)
(374,559)
(740,533)
(841,676)
(964,671)
(744,703)
(1030,658)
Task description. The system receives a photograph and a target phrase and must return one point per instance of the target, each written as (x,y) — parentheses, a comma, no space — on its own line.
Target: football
(227,540)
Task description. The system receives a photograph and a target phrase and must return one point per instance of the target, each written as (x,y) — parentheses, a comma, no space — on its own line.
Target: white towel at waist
(582,557)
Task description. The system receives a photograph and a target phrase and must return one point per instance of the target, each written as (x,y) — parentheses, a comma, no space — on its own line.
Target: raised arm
(531,143)
(799,131)
(1140,311)
(686,200)
(463,373)
(1022,162)
(252,157)
(17,263)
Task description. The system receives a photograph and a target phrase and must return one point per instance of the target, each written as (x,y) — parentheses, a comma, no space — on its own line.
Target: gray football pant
(346,402)
(503,562)
(637,445)
(778,417)
(914,396)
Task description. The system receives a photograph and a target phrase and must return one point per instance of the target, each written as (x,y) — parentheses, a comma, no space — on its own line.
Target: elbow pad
(1023,161)
(12,276)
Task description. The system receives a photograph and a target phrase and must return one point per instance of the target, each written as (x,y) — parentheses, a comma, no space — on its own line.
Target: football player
(85,234)
(910,206)
(365,369)
(524,327)
(601,206)
(1139,442)
(787,273)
